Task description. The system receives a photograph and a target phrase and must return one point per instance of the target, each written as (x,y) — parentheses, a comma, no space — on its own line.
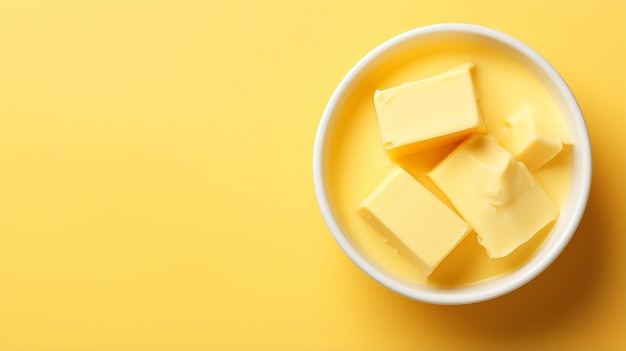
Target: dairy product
(496,194)
(417,224)
(528,141)
(491,187)
(428,113)
(358,162)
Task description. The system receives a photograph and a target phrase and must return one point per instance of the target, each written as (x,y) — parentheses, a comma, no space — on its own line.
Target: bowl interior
(401,48)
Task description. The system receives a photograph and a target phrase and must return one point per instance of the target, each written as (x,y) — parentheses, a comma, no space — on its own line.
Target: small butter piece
(416,223)
(428,113)
(527,141)
(494,193)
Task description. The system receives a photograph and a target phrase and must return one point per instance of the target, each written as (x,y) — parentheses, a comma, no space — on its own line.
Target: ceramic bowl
(571,213)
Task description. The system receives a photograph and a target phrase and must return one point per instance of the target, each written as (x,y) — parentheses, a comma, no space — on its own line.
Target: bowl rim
(497,286)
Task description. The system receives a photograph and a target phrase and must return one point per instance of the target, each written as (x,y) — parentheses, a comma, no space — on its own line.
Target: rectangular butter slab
(416,223)
(428,113)
(496,194)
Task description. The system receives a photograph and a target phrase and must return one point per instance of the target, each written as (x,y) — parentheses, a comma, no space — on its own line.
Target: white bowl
(571,213)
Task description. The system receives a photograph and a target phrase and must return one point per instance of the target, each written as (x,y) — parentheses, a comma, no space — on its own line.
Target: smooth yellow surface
(495,194)
(527,141)
(156,188)
(417,224)
(428,113)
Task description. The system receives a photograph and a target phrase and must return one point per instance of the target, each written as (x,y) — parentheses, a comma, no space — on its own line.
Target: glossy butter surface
(428,113)
(418,225)
(494,193)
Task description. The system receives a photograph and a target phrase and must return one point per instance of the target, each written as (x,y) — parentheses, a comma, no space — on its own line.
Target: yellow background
(156,186)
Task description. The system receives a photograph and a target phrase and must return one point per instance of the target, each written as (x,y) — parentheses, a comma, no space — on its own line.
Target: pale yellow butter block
(527,141)
(428,113)
(496,194)
(416,223)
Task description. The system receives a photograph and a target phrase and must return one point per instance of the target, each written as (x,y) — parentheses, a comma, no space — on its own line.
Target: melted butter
(358,161)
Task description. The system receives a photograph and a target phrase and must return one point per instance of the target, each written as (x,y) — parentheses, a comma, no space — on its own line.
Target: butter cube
(494,193)
(428,113)
(416,223)
(527,141)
